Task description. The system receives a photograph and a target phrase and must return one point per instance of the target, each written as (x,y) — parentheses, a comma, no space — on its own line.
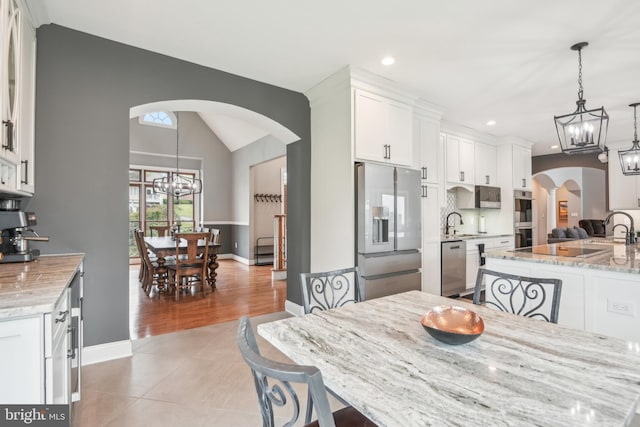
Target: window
(160,118)
(147,209)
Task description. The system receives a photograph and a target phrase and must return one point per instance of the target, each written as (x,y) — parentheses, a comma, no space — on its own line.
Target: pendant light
(177,185)
(583,131)
(630,158)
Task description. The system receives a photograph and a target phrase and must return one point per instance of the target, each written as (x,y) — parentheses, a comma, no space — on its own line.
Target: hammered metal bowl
(452,324)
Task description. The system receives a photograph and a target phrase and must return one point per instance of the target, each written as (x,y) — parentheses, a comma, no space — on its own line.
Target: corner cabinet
(17,98)
(382,129)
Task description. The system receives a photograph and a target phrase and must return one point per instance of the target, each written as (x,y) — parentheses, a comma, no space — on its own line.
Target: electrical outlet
(627,308)
(235,245)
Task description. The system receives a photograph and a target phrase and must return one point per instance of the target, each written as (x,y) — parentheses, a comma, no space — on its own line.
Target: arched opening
(223,145)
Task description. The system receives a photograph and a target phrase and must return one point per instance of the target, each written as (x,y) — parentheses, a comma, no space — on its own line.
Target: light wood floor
(240,290)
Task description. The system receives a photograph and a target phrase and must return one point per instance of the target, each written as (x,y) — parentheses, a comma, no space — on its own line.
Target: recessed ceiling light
(553,147)
(388,60)
(491,122)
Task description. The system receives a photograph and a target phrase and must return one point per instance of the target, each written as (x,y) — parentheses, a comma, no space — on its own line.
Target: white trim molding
(105,352)
(293,308)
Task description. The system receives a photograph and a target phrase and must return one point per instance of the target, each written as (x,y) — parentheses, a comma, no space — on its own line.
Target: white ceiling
(504,60)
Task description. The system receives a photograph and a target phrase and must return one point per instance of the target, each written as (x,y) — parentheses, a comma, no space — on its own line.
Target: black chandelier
(629,158)
(177,185)
(583,131)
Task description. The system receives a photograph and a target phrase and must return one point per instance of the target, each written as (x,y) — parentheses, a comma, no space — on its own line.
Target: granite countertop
(31,288)
(610,255)
(520,371)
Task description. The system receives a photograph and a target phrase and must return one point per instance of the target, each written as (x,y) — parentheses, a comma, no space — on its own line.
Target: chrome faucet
(631,232)
(626,232)
(447,226)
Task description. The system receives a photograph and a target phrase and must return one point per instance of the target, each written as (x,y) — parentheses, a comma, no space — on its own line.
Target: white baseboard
(104,352)
(293,308)
(225,256)
(278,274)
(240,259)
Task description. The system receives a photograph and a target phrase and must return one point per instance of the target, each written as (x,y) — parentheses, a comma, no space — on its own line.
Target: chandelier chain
(635,124)
(580,90)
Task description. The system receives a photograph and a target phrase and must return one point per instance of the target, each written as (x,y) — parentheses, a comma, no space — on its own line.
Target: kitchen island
(520,372)
(41,330)
(600,282)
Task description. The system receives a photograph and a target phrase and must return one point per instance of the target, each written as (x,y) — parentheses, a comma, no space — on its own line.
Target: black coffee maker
(15,226)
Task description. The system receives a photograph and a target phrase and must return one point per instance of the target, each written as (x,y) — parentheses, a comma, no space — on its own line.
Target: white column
(551,210)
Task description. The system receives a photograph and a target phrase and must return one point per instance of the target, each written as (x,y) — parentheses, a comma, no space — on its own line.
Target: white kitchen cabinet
(521,168)
(485,164)
(460,160)
(473,254)
(431,235)
(17,96)
(22,368)
(624,191)
(25,132)
(427,133)
(382,129)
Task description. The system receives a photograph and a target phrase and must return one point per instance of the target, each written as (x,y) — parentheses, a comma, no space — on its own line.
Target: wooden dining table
(376,356)
(164,247)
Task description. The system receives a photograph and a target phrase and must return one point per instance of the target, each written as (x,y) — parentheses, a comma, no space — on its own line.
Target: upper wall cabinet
(382,129)
(521,168)
(427,133)
(17,98)
(460,159)
(485,164)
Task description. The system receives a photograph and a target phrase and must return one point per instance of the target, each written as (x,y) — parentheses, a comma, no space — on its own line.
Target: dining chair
(273,381)
(521,295)
(191,267)
(151,273)
(331,289)
(161,230)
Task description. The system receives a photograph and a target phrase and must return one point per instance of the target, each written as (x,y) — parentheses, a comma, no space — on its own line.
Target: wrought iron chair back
(273,381)
(331,289)
(521,295)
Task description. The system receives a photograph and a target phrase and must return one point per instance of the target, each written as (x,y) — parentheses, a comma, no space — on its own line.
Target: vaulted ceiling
(501,60)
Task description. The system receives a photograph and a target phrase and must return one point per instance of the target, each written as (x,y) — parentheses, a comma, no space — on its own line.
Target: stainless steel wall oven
(523,218)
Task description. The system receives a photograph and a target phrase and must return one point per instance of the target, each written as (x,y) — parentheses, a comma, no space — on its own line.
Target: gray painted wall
(85,88)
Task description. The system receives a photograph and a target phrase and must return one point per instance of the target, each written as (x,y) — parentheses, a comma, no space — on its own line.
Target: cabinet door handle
(389,148)
(71,354)
(462,176)
(424,172)
(9,144)
(63,316)
(385,151)
(424,190)
(26,171)
(524,183)
(486,179)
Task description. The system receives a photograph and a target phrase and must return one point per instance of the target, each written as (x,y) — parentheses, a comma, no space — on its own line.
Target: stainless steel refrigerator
(388,227)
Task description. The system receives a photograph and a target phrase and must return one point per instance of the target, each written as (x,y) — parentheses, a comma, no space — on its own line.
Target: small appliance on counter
(16,234)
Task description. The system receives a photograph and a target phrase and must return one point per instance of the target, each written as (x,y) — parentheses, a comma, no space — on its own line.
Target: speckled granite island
(519,372)
(600,282)
(41,330)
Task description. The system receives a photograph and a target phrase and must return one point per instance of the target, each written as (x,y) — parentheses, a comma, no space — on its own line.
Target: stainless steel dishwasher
(454,267)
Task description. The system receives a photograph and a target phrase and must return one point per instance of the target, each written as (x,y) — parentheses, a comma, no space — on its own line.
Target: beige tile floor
(189,378)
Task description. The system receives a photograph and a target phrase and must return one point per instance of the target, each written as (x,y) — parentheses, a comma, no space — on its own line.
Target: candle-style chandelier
(629,158)
(583,131)
(176,184)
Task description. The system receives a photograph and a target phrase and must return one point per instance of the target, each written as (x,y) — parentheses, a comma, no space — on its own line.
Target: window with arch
(159,118)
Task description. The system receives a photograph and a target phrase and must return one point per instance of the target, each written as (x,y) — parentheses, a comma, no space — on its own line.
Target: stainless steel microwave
(487,197)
